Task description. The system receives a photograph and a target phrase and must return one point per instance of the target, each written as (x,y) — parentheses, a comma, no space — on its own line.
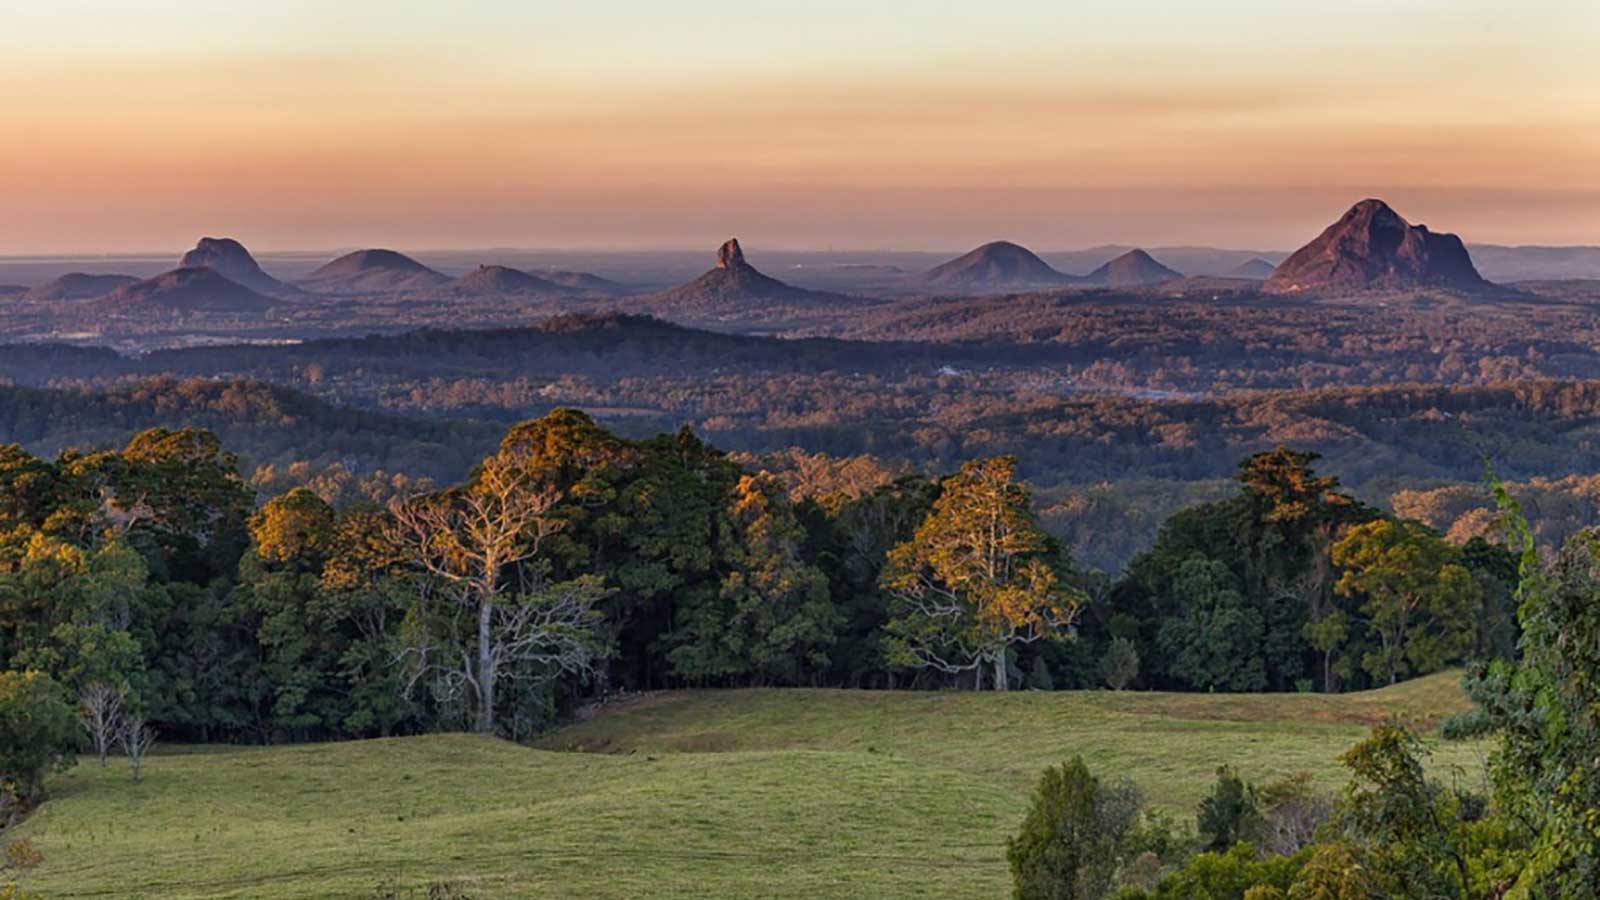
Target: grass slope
(1171,744)
(729,794)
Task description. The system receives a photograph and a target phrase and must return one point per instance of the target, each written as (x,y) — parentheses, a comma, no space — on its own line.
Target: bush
(1235,875)
(22,856)
(1229,814)
(38,733)
(1073,839)
(1464,726)
(1290,810)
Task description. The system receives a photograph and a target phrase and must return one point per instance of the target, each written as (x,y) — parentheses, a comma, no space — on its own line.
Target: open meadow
(729,794)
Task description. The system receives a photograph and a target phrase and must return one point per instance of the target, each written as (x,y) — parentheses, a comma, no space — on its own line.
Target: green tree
(1419,600)
(295,528)
(1065,849)
(305,631)
(666,547)
(30,489)
(1407,831)
(853,549)
(1494,568)
(365,581)
(1546,710)
(1120,664)
(771,619)
(38,733)
(176,495)
(1228,814)
(1326,635)
(978,577)
(72,611)
(1274,540)
(1215,642)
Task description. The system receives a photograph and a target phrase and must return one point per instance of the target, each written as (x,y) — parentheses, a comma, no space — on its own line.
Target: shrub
(1234,875)
(22,856)
(1464,726)
(1290,810)
(1073,839)
(1228,814)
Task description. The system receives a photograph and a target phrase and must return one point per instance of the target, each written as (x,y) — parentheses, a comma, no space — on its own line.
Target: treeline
(1293,584)
(1108,470)
(575,562)
(266,425)
(1394,830)
(1209,340)
(1198,342)
(1380,439)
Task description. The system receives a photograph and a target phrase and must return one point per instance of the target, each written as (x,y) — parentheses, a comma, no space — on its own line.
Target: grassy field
(728,794)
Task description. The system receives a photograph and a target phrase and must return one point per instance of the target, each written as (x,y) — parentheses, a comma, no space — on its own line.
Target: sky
(139,126)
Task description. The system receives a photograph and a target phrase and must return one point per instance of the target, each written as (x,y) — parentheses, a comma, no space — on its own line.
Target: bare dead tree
(100,712)
(489,613)
(137,738)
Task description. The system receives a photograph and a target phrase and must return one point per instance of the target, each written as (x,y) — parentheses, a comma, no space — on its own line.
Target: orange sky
(913,125)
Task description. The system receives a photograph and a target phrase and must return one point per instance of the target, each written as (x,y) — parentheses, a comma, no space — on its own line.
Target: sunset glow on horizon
(140,126)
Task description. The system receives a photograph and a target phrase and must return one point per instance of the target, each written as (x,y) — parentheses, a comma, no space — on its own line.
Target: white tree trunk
(1002,682)
(486,667)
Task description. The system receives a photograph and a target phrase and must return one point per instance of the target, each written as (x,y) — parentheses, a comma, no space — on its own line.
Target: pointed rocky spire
(729,256)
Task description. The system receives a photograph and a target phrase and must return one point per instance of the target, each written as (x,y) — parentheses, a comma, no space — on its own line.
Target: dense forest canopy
(573,561)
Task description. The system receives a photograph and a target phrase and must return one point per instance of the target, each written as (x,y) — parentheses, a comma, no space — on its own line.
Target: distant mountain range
(371,272)
(1504,264)
(1004,267)
(1370,247)
(1190,260)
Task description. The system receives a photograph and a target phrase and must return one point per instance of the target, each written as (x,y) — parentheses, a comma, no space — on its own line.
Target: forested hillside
(1108,469)
(266,425)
